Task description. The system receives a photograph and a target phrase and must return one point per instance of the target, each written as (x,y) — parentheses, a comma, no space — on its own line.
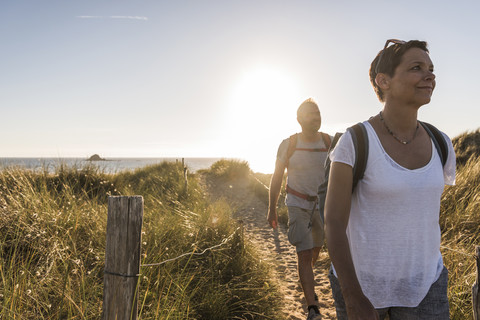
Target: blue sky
(213,78)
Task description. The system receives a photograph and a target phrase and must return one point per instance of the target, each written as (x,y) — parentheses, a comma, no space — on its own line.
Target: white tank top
(306,170)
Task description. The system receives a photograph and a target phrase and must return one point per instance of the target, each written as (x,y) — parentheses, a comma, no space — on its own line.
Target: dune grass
(467,145)
(52,240)
(460,223)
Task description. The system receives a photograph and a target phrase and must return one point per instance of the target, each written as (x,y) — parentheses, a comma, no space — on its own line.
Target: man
(304,156)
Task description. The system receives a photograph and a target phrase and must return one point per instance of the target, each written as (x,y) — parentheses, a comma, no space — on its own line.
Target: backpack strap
(326,140)
(360,142)
(291,147)
(438,140)
(333,143)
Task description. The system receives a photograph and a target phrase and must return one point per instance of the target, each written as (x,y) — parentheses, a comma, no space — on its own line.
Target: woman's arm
(337,213)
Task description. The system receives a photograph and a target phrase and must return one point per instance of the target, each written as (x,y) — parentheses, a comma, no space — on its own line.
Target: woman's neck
(401,120)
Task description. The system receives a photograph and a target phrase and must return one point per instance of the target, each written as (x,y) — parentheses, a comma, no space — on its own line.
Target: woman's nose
(430,75)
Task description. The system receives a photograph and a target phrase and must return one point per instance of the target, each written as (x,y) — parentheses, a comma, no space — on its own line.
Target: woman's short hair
(390,58)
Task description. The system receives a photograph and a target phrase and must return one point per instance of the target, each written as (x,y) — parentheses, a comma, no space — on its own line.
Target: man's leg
(305,273)
(315,254)
(300,235)
(318,236)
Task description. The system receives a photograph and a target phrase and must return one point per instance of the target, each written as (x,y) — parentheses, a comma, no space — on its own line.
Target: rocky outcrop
(95,157)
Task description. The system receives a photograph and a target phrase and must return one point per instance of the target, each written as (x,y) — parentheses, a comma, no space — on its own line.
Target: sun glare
(262,113)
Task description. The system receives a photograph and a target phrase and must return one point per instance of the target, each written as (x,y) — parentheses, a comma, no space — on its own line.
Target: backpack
(360,143)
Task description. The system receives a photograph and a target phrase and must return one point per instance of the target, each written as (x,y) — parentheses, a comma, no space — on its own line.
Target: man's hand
(272,218)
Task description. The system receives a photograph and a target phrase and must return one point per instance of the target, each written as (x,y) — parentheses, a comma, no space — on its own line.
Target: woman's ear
(383,81)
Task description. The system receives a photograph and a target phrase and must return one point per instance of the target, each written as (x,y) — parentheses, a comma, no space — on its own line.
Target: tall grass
(51,229)
(467,145)
(52,240)
(460,221)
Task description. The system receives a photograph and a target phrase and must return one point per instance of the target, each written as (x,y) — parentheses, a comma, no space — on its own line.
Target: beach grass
(52,242)
(52,229)
(460,223)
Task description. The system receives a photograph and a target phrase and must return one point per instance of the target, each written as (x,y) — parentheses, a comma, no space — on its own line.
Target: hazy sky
(214,78)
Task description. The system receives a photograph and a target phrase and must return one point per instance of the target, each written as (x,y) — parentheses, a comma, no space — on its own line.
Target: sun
(262,110)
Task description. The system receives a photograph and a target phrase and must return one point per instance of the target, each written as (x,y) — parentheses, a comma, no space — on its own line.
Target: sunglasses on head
(394,41)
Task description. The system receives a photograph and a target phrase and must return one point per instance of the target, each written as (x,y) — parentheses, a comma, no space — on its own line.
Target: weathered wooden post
(185,174)
(185,177)
(122,257)
(476,288)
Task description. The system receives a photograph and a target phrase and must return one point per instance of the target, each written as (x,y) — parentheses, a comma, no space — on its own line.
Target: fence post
(122,257)
(476,288)
(185,177)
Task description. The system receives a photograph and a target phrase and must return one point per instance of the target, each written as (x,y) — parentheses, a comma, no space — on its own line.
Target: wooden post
(185,176)
(122,257)
(476,288)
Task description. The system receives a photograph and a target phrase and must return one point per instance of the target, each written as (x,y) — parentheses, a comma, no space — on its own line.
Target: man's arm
(274,193)
(337,213)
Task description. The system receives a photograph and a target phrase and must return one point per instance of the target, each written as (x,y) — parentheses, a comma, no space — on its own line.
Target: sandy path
(277,250)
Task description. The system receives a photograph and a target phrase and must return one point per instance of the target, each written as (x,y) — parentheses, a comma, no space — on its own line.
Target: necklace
(394,135)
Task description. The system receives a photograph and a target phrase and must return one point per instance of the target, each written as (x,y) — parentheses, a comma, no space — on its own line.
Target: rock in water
(95,157)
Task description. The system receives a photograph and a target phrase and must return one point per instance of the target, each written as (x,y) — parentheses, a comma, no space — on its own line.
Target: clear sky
(200,78)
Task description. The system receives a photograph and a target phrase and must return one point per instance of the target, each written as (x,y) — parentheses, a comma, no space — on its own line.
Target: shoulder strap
(326,140)
(438,140)
(360,142)
(291,147)
(333,143)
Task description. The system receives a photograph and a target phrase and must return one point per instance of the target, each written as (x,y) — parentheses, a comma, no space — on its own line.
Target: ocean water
(112,165)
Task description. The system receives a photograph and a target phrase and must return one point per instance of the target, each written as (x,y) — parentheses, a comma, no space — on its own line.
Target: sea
(109,165)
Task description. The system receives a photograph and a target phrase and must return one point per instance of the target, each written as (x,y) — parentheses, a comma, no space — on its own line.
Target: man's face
(310,119)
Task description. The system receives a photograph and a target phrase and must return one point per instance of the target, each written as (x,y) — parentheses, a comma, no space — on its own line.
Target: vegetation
(460,223)
(467,145)
(460,220)
(52,240)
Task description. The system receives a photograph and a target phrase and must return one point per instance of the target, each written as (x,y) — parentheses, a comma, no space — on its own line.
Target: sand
(277,250)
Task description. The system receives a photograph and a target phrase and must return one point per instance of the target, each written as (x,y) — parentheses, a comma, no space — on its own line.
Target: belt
(300,195)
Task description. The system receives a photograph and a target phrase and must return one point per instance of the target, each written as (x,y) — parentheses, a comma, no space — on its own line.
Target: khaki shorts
(300,234)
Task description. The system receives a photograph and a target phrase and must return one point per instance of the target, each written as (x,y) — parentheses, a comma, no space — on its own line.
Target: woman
(384,238)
